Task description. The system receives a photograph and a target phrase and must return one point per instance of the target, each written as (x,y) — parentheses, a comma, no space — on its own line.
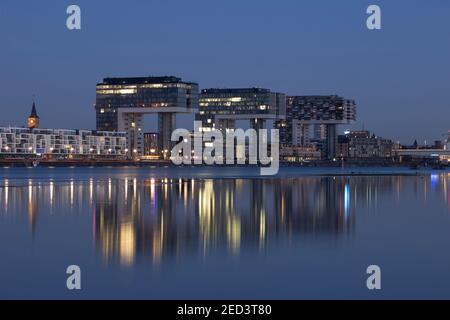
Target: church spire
(33,111)
(33,119)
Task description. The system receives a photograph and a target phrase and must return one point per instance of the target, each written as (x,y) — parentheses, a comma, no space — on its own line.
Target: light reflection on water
(137,220)
(172,217)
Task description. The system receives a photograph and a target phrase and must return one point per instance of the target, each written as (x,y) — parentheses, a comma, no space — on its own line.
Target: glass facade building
(220,108)
(145,92)
(122,102)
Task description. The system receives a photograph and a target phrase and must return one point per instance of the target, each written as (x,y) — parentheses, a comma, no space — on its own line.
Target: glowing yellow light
(127,244)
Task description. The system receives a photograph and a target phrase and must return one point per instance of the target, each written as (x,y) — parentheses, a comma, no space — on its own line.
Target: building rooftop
(318,97)
(142,80)
(235,90)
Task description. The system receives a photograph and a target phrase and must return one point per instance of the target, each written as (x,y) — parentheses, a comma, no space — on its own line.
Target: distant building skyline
(295,116)
(34,121)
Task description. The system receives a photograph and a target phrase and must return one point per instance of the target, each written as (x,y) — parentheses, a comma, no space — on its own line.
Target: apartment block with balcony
(61,143)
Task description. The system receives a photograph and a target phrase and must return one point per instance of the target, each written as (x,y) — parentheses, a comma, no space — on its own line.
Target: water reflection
(169,218)
(158,219)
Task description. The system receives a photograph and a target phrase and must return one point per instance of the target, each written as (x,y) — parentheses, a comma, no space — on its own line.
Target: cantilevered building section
(220,108)
(324,111)
(122,103)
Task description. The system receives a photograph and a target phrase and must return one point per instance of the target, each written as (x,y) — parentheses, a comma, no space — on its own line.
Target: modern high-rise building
(324,112)
(220,108)
(122,103)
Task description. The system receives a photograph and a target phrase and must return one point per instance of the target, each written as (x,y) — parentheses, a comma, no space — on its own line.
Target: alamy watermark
(73,282)
(73,21)
(374,280)
(207,147)
(374,20)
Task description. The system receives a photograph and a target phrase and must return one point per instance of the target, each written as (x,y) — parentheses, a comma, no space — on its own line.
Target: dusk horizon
(298,48)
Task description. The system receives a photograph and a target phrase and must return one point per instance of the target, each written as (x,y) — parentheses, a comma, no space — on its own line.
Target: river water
(224,233)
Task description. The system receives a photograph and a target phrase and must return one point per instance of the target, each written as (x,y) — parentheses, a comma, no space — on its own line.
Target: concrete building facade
(324,112)
(363,145)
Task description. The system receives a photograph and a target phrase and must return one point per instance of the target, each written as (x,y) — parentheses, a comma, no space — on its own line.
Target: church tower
(33,119)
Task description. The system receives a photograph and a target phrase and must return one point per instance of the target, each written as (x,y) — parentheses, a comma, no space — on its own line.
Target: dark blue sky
(399,76)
